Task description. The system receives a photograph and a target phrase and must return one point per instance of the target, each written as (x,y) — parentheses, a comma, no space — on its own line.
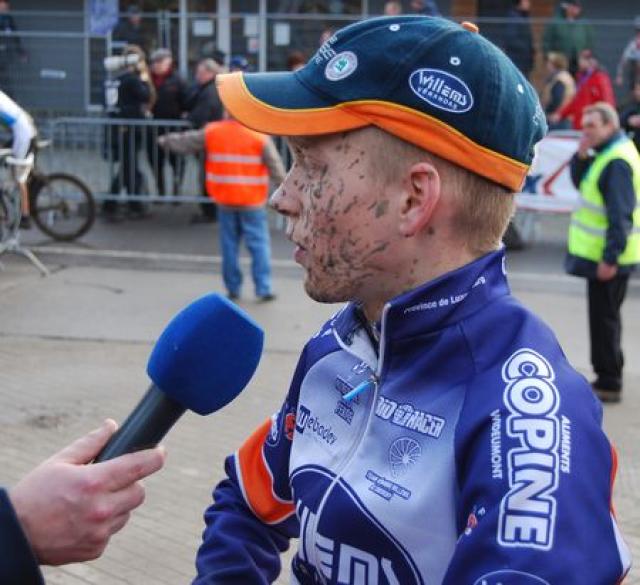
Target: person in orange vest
(238,166)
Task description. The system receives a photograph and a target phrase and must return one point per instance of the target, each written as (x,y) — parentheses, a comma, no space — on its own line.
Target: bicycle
(10,212)
(62,206)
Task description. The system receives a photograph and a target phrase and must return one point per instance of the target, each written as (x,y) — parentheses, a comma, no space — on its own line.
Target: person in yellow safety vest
(604,236)
(239,164)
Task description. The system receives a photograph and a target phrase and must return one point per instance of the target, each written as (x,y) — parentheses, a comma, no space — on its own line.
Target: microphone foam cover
(207,354)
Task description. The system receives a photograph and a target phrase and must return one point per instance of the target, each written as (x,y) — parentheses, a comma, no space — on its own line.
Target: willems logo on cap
(429,81)
(441,90)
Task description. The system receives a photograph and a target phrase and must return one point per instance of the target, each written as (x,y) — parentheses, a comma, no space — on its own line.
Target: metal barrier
(54,60)
(121,160)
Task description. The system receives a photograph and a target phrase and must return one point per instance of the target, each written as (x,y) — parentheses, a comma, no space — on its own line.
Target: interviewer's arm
(69,510)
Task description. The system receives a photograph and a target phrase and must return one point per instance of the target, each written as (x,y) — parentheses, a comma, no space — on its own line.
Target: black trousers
(126,144)
(157,157)
(208,209)
(605,326)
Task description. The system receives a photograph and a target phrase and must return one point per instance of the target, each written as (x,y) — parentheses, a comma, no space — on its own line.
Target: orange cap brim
(418,128)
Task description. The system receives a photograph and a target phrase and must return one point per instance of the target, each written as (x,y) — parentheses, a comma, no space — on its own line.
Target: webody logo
(305,421)
(441,90)
(528,510)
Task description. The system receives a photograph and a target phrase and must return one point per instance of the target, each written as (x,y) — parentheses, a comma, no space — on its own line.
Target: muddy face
(338,215)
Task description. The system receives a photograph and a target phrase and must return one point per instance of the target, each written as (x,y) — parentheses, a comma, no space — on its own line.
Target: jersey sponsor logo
(273,438)
(565,445)
(408,417)
(441,90)
(332,515)
(385,488)
(404,453)
(474,518)
(496,444)
(348,565)
(344,384)
(528,511)
(510,577)
(344,411)
(282,422)
(305,421)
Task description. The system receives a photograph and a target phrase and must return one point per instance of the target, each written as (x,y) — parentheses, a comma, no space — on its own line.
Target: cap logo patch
(341,66)
(441,90)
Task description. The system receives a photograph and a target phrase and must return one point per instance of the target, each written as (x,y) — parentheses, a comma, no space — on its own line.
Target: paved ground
(73,350)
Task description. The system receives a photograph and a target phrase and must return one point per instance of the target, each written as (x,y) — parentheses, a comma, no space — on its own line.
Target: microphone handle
(145,427)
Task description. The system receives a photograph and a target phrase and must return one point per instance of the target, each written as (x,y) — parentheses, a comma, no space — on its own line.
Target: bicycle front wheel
(62,206)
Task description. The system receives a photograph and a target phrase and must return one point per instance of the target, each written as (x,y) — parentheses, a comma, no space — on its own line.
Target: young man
(604,236)
(433,431)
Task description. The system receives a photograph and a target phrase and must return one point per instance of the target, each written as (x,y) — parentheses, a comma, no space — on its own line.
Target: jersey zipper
(375,382)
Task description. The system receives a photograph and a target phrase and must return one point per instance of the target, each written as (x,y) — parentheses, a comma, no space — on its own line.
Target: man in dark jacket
(129,31)
(630,116)
(204,106)
(170,104)
(129,96)
(604,236)
(518,41)
(203,102)
(567,33)
(10,48)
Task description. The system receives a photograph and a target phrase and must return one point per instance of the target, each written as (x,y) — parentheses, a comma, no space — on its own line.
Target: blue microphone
(202,361)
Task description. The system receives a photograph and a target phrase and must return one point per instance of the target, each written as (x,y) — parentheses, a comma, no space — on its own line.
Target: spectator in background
(325,35)
(238,63)
(629,63)
(295,60)
(130,95)
(392,8)
(630,117)
(558,90)
(567,34)
(604,237)
(10,47)
(518,40)
(593,85)
(425,7)
(239,163)
(204,106)
(170,102)
(129,30)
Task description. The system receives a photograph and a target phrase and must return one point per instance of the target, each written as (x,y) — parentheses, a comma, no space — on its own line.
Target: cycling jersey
(20,123)
(473,455)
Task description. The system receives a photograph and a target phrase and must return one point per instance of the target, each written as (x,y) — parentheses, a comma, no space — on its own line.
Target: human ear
(420,198)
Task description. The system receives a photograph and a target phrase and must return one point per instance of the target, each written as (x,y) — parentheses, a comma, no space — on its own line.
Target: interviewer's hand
(69,510)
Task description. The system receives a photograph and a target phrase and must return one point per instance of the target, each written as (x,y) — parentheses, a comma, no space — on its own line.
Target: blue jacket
(475,455)
(18,565)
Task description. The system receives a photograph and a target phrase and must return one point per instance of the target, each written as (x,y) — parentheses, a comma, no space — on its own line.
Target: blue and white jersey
(474,456)
(20,124)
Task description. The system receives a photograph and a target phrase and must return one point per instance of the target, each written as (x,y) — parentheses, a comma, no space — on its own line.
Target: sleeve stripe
(256,480)
(623,551)
(612,480)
